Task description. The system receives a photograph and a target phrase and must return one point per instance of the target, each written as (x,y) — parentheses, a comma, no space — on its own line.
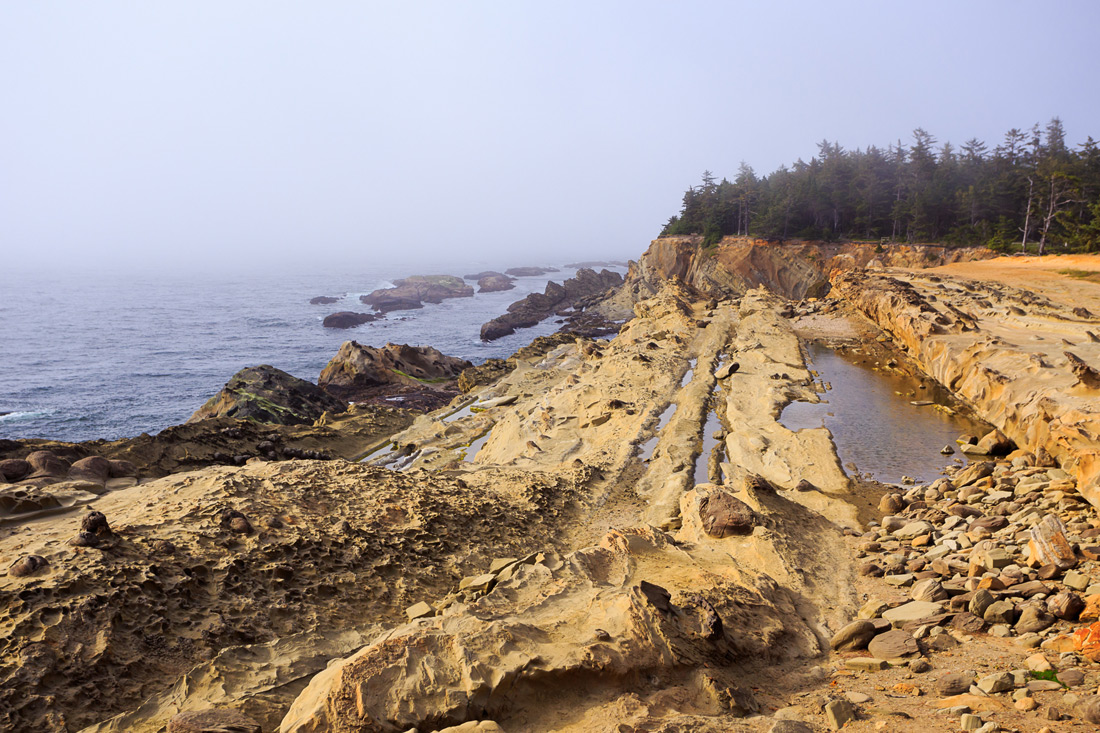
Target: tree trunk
(1027,215)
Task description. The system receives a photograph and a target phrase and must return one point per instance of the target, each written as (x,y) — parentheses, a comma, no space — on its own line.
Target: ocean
(112,355)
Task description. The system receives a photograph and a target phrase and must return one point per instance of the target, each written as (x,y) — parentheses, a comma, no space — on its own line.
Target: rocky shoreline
(555,545)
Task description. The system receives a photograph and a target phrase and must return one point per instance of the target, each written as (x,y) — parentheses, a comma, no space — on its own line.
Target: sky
(184,134)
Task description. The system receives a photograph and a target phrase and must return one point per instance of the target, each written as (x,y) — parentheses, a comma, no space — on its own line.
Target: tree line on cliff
(1031,192)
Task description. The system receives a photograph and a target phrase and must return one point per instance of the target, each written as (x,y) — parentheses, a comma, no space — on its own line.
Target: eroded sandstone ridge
(603,534)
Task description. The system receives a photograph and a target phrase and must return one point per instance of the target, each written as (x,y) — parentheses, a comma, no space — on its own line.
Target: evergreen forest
(1031,192)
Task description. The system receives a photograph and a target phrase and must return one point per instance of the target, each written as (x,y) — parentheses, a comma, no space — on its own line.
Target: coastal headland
(611,530)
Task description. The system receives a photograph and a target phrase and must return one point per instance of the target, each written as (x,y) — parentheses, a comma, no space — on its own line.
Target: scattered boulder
(15,469)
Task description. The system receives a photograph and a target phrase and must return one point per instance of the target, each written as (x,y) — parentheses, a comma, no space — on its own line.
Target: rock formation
(575,293)
(495,282)
(348,319)
(529,271)
(266,394)
(359,372)
(323,300)
(412,292)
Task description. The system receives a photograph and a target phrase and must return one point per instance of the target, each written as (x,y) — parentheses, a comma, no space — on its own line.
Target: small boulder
(956,683)
(724,515)
(853,636)
(93,468)
(893,644)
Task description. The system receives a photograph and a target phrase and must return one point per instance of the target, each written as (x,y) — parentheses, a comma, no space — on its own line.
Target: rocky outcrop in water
(412,292)
(323,300)
(348,319)
(266,394)
(359,372)
(495,283)
(576,293)
(529,271)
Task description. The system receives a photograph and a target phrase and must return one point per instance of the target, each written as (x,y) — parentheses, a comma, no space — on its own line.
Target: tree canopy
(1031,191)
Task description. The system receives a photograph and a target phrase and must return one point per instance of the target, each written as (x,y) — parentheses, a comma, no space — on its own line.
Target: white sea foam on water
(25,415)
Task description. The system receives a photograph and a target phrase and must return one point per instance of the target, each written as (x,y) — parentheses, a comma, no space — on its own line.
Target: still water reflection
(874,424)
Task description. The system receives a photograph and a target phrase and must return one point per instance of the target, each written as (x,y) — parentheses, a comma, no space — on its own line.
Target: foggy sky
(197,132)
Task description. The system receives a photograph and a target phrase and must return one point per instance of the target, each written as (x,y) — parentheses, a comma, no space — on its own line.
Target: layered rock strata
(1016,357)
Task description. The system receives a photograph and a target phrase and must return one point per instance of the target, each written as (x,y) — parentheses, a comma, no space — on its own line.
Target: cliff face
(1022,361)
(794,270)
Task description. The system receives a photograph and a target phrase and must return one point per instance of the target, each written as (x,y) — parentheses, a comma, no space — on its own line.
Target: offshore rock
(412,292)
(494,282)
(269,395)
(586,284)
(347,319)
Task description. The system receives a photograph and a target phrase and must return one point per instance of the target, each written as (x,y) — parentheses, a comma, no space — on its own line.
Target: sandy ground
(1040,274)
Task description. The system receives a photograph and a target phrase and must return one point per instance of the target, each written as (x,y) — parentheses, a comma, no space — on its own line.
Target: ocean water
(111,354)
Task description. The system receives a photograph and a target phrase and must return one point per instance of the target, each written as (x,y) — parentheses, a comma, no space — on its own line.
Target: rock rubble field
(598,534)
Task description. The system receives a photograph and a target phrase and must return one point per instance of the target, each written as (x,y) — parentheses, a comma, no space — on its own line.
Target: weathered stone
(1071,677)
(866,664)
(1038,663)
(972,473)
(27,565)
(1048,544)
(980,601)
(1086,641)
(419,610)
(853,636)
(212,721)
(968,623)
(997,682)
(892,645)
(1033,619)
(1089,709)
(928,590)
(969,721)
(839,712)
(953,684)
(724,515)
(1075,580)
(891,503)
(1000,612)
(913,529)
(912,611)
(873,608)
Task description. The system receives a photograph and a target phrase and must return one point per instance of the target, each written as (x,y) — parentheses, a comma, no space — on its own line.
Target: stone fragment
(866,664)
(968,721)
(477,583)
(913,529)
(419,610)
(1075,580)
(839,712)
(1086,641)
(1066,605)
(873,608)
(919,665)
(1033,619)
(980,601)
(995,443)
(1038,663)
(212,721)
(1091,611)
(1089,709)
(1000,612)
(996,682)
(853,636)
(972,473)
(912,611)
(893,645)
(789,726)
(930,590)
(891,503)
(857,698)
(1025,704)
(968,623)
(1043,686)
(1071,677)
(724,515)
(1047,544)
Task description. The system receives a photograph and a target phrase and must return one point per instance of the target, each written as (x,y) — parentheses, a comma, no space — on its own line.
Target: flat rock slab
(912,611)
(893,644)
